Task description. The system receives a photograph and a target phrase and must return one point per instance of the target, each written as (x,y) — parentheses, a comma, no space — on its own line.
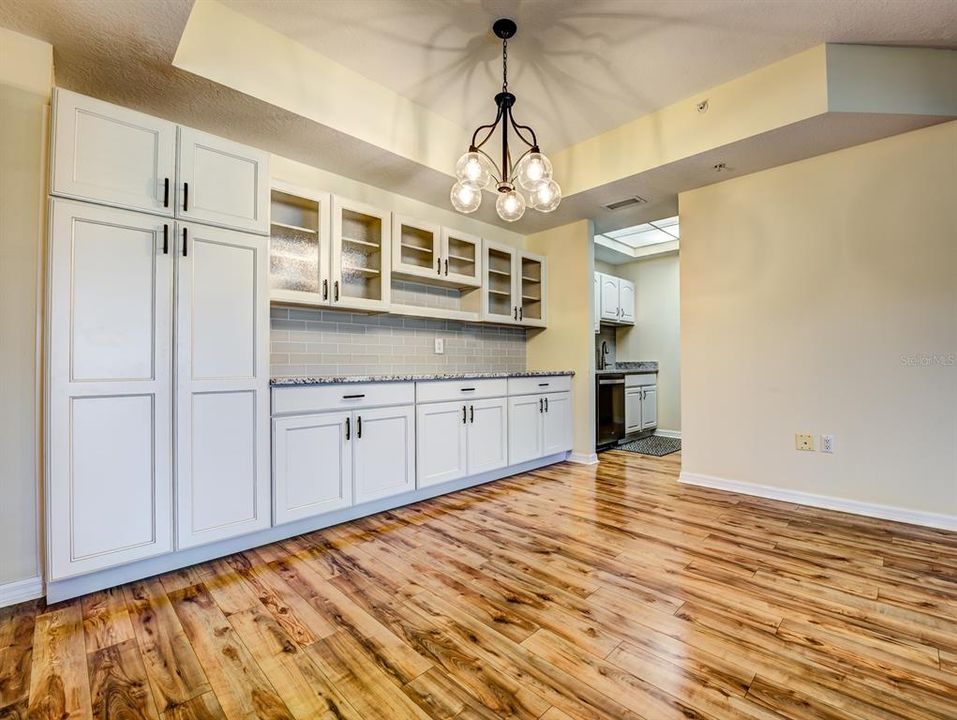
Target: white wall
(821,297)
(656,333)
(26,67)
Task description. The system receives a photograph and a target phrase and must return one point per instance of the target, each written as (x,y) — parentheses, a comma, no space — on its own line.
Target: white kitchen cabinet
(616,300)
(461,258)
(649,407)
(312,465)
(300,246)
(221,182)
(525,428)
(516,286)
(222,384)
(110,390)
(596,294)
(487,435)
(361,256)
(384,452)
(626,301)
(441,442)
(557,423)
(416,249)
(632,410)
(641,402)
(111,155)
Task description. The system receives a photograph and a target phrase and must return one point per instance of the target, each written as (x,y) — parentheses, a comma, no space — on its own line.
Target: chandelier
(525,183)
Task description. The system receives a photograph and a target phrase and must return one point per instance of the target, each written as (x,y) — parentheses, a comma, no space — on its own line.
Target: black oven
(610,424)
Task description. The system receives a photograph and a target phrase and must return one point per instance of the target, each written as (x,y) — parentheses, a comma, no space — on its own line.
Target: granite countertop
(338,379)
(630,368)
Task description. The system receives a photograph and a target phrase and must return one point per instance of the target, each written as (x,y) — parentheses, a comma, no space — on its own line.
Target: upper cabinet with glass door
(424,252)
(531,281)
(515,289)
(299,254)
(361,256)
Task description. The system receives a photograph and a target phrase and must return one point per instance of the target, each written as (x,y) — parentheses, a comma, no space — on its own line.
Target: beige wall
(821,297)
(655,335)
(26,67)
(568,343)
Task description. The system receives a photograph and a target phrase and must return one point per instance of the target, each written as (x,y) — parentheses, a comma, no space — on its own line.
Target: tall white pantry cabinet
(157,338)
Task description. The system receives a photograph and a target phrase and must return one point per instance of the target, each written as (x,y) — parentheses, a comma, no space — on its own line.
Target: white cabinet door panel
(111,155)
(524,428)
(110,391)
(557,423)
(222,182)
(312,465)
(632,410)
(222,405)
(649,408)
(384,452)
(596,291)
(609,298)
(487,435)
(441,436)
(626,301)
(111,493)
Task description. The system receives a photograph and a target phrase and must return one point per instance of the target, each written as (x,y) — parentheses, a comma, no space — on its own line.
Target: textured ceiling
(122,51)
(580,68)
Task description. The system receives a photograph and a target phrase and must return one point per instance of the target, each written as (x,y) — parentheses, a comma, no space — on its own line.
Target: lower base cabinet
(641,408)
(458,439)
(539,425)
(330,460)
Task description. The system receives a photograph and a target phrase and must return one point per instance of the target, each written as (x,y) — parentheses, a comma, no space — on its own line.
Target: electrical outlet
(827,443)
(439,346)
(804,441)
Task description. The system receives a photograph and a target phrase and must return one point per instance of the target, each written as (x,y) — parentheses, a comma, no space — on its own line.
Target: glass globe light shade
(532,170)
(465,197)
(510,205)
(547,196)
(475,169)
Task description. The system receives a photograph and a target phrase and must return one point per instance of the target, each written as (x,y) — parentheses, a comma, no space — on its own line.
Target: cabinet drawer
(450,390)
(297,399)
(539,384)
(640,379)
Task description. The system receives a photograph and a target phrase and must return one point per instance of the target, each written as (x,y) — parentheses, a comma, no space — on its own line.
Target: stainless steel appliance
(610,392)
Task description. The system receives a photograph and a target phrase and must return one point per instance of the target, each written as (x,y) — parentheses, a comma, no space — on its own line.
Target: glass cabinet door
(531,282)
(416,248)
(361,245)
(463,258)
(500,303)
(298,246)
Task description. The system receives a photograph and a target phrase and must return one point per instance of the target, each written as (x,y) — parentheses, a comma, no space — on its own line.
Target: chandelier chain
(504,65)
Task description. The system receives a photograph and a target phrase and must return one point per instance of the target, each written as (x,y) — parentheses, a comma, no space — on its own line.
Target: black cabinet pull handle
(359,427)
(546,404)
(353,397)
(325,289)
(515,313)
(463,414)
(543,384)
(521,313)
(184,242)
(335,287)
(348,434)
(165,239)
(446,266)
(467,389)
(185,196)
(472,414)
(438,266)
(541,405)
(166,192)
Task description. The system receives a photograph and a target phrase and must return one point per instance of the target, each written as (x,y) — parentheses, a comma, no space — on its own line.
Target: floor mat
(653,445)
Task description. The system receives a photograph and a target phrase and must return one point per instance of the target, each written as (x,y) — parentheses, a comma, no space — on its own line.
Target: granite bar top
(339,379)
(630,368)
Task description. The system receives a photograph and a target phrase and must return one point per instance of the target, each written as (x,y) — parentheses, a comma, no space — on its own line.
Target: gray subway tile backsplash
(308,341)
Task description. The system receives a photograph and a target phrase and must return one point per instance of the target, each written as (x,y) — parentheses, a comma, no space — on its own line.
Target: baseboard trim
(676,434)
(20,591)
(70,587)
(583,458)
(826,502)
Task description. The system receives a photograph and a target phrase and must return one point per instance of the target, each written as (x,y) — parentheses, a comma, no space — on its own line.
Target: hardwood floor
(567,593)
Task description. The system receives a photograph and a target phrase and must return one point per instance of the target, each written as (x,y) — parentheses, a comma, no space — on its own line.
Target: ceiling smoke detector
(627,202)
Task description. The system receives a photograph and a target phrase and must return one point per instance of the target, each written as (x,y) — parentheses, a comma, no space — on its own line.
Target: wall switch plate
(827,443)
(439,346)
(804,441)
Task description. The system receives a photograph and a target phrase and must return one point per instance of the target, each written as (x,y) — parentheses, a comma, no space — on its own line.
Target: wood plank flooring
(568,593)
